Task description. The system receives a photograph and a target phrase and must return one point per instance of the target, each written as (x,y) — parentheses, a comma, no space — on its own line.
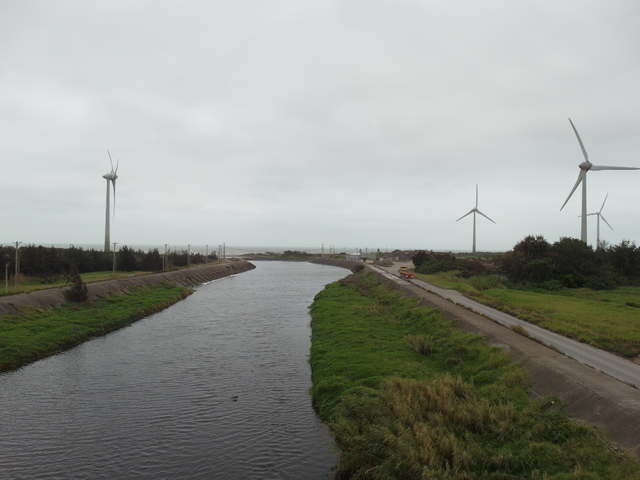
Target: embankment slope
(186,277)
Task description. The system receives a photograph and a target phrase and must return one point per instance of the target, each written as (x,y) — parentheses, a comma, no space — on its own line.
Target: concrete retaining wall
(186,277)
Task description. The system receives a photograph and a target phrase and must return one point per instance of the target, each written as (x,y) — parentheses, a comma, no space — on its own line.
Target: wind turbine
(110,177)
(582,177)
(475,210)
(600,216)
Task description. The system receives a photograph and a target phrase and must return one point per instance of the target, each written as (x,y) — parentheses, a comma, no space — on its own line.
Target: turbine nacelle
(586,166)
(112,177)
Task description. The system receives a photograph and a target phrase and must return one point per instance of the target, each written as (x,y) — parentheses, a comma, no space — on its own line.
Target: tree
(532,247)
(420,257)
(574,261)
(152,261)
(625,260)
(127,259)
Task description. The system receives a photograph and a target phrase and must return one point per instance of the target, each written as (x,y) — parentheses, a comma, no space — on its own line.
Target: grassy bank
(31,284)
(39,333)
(607,319)
(408,395)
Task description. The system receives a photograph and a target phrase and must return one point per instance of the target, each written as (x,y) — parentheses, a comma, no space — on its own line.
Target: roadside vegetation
(535,263)
(566,287)
(35,334)
(408,395)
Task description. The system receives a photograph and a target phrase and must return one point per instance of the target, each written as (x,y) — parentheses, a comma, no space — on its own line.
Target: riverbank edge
(185,277)
(586,394)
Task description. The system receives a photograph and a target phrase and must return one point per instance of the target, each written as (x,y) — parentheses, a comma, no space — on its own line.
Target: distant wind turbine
(600,216)
(582,177)
(475,210)
(110,177)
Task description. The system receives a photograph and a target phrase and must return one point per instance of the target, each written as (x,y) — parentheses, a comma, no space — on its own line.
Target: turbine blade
(581,176)
(485,216)
(607,167)
(605,201)
(111,161)
(605,221)
(476,195)
(470,212)
(584,151)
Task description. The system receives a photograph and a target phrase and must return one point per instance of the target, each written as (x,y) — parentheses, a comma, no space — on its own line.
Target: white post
(15,280)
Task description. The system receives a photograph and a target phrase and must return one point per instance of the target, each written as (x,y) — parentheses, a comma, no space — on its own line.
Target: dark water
(215,387)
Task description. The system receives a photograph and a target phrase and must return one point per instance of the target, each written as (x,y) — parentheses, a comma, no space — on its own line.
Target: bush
(78,291)
(551,285)
(486,282)
(438,262)
(600,282)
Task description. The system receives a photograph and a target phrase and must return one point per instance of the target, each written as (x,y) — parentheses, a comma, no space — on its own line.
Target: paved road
(605,362)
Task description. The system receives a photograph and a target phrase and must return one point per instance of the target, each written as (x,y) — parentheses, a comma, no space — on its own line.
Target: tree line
(536,263)
(48,263)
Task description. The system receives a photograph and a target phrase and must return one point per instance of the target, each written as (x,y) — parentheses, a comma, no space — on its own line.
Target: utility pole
(164,259)
(206,254)
(15,280)
(6,277)
(188,254)
(114,257)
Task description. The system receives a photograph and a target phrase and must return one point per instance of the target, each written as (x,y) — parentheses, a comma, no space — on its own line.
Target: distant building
(361,257)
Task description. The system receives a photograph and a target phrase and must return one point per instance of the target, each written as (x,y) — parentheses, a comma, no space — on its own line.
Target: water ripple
(214,387)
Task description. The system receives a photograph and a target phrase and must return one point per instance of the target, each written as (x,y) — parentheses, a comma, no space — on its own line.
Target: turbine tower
(582,177)
(110,177)
(600,216)
(475,210)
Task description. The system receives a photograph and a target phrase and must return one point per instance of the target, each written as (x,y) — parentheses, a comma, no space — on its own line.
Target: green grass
(38,333)
(30,284)
(607,319)
(408,395)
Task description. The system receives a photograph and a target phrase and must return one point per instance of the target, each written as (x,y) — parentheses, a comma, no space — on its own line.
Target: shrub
(438,262)
(357,268)
(485,282)
(600,282)
(78,291)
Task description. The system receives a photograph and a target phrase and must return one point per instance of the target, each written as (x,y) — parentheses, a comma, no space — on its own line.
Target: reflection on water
(215,387)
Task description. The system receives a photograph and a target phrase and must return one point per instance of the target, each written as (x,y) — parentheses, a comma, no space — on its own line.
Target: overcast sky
(299,123)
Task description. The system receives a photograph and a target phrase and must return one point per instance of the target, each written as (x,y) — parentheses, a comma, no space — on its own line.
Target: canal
(214,387)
